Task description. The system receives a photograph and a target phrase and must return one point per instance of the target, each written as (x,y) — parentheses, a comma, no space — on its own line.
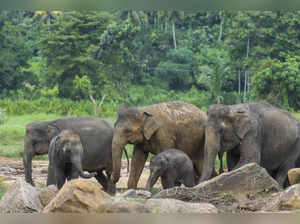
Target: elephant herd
(184,139)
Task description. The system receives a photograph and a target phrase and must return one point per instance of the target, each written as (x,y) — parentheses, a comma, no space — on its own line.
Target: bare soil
(12,168)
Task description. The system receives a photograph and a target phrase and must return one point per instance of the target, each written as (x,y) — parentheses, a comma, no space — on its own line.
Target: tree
(278,82)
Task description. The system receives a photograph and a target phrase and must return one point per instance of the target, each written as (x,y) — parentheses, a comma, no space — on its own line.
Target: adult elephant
(95,134)
(154,129)
(255,132)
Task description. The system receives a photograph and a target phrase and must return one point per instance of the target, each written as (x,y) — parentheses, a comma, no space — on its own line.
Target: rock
(248,178)
(294,176)
(21,197)
(174,206)
(78,196)
(286,200)
(122,207)
(131,193)
(47,194)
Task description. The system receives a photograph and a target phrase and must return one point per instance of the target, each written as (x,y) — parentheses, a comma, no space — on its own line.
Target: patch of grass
(12,133)
(2,187)
(296,115)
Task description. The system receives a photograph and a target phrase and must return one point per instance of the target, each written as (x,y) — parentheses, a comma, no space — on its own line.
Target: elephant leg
(250,151)
(102,179)
(232,159)
(50,176)
(73,173)
(290,163)
(189,180)
(138,161)
(167,181)
(60,178)
(111,186)
(220,155)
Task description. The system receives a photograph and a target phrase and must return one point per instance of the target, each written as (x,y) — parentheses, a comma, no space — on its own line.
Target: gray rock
(248,178)
(174,206)
(286,200)
(21,197)
(122,207)
(131,193)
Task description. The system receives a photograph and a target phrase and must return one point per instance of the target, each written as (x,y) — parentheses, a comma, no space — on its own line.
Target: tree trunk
(174,35)
(221,28)
(239,81)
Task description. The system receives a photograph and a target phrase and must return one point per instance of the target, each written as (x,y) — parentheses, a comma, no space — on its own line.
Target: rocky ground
(248,189)
(11,169)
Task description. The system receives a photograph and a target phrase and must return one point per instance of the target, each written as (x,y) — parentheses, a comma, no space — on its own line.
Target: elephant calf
(174,167)
(65,157)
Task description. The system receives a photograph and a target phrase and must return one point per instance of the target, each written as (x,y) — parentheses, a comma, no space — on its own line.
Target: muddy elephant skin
(155,128)
(255,132)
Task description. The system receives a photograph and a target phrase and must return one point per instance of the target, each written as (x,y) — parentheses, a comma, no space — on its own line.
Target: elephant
(155,128)
(96,138)
(65,157)
(174,168)
(254,132)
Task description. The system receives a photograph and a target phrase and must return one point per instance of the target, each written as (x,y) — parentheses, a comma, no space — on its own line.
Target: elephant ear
(150,125)
(241,120)
(52,131)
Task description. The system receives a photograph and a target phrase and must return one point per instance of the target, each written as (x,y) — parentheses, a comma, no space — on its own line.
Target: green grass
(2,187)
(12,133)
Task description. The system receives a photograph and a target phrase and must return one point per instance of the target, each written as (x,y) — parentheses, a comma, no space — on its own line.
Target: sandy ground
(12,168)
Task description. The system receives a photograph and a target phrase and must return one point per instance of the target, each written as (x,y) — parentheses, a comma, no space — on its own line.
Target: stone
(78,196)
(294,176)
(286,200)
(131,193)
(47,194)
(21,197)
(248,178)
(122,207)
(174,206)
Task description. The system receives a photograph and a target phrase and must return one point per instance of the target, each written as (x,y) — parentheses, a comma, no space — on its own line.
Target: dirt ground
(11,169)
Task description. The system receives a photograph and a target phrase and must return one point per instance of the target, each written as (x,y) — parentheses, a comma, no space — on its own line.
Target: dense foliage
(79,61)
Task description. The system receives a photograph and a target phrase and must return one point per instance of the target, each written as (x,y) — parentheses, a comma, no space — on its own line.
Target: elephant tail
(126,154)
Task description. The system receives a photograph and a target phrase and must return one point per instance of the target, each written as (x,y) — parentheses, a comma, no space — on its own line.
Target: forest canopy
(142,57)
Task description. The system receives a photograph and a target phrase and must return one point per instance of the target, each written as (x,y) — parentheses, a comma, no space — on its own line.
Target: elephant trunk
(27,160)
(211,148)
(117,149)
(77,162)
(151,180)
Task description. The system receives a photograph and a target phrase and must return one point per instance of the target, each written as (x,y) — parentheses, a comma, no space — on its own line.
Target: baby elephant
(65,157)
(174,167)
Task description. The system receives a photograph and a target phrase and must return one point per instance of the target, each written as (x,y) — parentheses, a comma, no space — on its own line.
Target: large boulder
(174,206)
(248,178)
(294,176)
(132,193)
(286,200)
(78,196)
(47,194)
(122,206)
(21,197)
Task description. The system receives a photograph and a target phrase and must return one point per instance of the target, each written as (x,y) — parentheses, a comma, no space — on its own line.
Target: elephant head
(133,126)
(67,148)
(36,142)
(158,166)
(225,128)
